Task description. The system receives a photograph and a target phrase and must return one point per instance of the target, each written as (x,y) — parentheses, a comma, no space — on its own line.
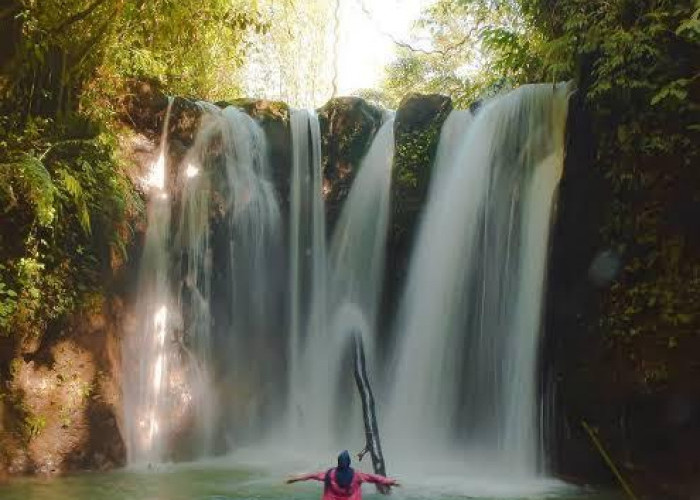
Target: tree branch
(92,42)
(79,16)
(406,45)
(442,52)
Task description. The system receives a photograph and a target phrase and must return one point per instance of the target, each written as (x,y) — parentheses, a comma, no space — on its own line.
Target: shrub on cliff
(66,202)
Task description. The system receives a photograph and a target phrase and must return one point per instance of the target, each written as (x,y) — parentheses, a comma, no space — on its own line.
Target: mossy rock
(185,116)
(348,125)
(417,126)
(260,109)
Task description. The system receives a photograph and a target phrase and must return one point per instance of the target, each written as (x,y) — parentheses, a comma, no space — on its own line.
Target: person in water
(343,482)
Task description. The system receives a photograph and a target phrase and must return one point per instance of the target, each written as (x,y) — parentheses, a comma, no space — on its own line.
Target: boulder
(348,125)
(417,127)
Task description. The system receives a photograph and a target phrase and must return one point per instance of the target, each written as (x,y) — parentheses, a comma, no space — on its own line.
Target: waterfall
(194,299)
(356,255)
(232,255)
(308,273)
(208,358)
(245,322)
(148,353)
(464,372)
(346,291)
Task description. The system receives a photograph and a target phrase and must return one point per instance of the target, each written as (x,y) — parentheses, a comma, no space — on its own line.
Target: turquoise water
(207,482)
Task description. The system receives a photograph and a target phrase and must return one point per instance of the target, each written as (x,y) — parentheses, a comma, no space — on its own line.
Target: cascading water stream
(346,289)
(356,258)
(307,243)
(231,224)
(147,351)
(208,287)
(464,379)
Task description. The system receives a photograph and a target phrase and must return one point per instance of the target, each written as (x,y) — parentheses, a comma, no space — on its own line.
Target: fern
(40,188)
(72,186)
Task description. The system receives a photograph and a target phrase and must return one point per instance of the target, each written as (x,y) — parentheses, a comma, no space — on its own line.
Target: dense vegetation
(67,198)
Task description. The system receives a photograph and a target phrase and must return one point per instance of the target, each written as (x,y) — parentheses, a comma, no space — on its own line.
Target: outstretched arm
(376,479)
(316,476)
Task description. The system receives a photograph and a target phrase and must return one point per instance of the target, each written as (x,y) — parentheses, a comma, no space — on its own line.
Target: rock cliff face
(417,126)
(61,405)
(620,342)
(348,125)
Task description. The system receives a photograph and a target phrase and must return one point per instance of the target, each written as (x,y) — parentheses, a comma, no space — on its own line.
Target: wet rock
(144,106)
(418,112)
(348,125)
(60,405)
(185,116)
(476,106)
(417,127)
(572,303)
(610,355)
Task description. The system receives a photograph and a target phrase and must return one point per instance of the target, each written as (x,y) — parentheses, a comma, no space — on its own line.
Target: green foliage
(347,126)
(68,202)
(466,49)
(33,177)
(690,28)
(638,63)
(33,426)
(413,159)
(71,186)
(77,54)
(8,302)
(192,47)
(65,197)
(415,151)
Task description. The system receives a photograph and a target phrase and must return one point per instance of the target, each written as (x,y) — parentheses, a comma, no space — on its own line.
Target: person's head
(344,460)
(343,473)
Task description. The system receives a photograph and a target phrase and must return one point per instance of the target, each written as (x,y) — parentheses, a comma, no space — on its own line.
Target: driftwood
(372,444)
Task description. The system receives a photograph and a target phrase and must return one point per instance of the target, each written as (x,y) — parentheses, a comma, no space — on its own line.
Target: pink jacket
(354,492)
